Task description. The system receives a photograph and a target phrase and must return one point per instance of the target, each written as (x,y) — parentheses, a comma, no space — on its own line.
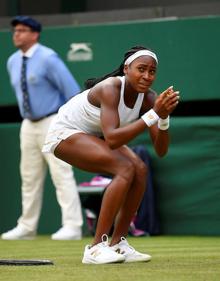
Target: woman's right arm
(114,135)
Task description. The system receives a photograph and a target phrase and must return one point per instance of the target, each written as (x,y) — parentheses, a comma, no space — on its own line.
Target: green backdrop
(188,52)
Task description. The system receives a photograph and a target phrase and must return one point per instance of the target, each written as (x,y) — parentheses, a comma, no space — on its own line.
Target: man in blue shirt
(42,83)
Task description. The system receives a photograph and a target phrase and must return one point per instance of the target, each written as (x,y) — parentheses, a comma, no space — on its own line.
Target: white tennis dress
(80,116)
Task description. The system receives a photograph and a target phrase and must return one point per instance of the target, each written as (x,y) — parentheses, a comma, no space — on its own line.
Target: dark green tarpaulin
(187,180)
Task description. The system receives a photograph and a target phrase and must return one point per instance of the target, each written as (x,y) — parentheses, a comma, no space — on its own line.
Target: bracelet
(163,124)
(150,117)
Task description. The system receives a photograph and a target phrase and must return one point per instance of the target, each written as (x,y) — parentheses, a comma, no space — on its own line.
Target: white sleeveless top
(126,114)
(79,115)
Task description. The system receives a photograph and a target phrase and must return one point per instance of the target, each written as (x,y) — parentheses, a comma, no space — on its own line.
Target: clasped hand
(166,102)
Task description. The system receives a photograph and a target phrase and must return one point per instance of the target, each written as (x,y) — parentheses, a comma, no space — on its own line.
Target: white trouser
(33,168)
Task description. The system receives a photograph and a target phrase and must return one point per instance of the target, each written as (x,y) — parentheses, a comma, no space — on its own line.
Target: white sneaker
(67,233)
(18,233)
(130,254)
(101,253)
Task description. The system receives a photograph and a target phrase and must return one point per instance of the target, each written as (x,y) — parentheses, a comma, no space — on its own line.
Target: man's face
(24,37)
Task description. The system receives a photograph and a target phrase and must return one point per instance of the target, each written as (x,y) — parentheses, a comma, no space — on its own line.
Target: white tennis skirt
(54,137)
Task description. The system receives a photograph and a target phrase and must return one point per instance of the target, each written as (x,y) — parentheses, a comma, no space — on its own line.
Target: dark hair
(117,72)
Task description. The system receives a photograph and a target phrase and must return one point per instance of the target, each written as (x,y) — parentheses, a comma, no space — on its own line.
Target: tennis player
(91,132)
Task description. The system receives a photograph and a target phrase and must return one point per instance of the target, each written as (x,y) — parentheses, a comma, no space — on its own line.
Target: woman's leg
(91,154)
(133,197)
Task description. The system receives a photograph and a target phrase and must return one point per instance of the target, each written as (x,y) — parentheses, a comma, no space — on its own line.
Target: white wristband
(163,124)
(150,117)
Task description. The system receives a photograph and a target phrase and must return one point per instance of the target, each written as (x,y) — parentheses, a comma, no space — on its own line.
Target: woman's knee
(141,170)
(126,170)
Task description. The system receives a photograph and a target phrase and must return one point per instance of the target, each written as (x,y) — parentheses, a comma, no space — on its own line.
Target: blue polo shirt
(50,83)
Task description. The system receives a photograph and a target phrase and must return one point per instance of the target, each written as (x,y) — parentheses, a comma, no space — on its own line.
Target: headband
(139,54)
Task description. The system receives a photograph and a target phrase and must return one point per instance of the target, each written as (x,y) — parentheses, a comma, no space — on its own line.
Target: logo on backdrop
(80,52)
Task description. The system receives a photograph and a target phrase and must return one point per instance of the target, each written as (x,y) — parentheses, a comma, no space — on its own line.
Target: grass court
(174,258)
